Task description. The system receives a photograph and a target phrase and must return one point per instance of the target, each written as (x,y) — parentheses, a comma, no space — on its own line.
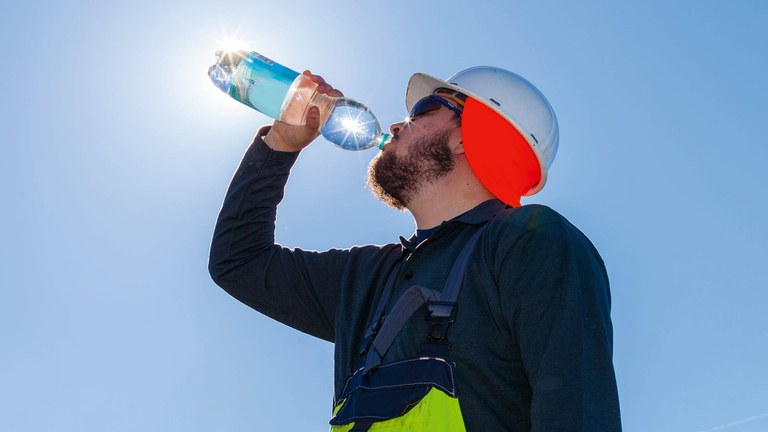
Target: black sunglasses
(429,104)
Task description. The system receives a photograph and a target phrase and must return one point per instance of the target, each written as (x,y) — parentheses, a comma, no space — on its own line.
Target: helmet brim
(422,85)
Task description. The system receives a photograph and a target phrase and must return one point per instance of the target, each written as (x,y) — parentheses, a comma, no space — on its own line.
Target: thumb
(313,120)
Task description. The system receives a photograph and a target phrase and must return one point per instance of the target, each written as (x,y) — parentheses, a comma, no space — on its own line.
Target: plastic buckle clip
(440,315)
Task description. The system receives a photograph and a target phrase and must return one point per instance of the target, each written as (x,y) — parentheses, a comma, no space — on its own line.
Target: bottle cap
(383,139)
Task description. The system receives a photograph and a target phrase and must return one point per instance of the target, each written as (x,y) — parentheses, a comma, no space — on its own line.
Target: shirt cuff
(260,146)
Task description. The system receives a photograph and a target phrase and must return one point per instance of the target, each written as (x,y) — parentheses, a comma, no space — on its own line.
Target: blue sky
(115,153)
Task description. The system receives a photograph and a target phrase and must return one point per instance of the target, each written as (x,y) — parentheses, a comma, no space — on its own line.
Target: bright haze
(116,151)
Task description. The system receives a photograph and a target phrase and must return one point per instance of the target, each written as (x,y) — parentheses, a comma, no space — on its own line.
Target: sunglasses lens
(424,106)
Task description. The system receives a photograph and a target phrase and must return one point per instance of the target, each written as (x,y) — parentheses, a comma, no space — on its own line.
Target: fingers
(316,78)
(322,85)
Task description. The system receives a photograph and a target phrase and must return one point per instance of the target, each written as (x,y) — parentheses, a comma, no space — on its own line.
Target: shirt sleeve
(296,287)
(558,304)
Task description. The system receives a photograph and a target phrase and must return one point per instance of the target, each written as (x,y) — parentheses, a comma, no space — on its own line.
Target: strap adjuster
(365,345)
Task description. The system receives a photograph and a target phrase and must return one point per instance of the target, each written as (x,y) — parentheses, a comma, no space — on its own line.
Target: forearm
(296,287)
(246,222)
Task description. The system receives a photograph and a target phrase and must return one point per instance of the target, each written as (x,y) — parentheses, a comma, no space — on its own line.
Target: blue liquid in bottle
(284,94)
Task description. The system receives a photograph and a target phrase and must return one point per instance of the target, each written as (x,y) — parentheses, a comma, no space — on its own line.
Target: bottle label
(262,84)
(258,56)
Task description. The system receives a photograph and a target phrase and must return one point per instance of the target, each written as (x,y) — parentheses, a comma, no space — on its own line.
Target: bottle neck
(383,140)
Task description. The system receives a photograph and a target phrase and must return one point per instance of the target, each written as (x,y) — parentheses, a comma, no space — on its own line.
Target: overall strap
(378,316)
(441,307)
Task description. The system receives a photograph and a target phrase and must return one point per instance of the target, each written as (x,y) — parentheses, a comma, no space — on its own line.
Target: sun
(352,125)
(232,43)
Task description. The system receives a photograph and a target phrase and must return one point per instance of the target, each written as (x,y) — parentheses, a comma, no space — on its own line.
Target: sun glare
(353,125)
(233,43)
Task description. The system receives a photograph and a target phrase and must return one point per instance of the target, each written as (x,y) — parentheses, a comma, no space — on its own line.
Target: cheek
(409,137)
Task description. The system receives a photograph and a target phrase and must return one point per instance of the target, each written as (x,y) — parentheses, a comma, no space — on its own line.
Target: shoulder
(528,217)
(529,228)
(362,257)
(514,223)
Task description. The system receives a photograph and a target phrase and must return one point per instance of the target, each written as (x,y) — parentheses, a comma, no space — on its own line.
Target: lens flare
(353,125)
(232,43)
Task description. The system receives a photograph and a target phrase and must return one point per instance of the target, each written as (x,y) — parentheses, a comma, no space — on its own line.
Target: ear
(457,141)
(458,149)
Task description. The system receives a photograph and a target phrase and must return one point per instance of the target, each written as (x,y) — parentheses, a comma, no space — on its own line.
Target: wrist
(276,142)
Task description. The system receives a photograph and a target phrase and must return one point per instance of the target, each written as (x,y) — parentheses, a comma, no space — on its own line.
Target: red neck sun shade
(498,154)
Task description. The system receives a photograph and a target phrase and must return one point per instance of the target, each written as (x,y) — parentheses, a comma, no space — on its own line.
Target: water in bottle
(284,94)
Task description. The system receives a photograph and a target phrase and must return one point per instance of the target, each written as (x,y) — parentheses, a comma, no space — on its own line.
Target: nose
(395,128)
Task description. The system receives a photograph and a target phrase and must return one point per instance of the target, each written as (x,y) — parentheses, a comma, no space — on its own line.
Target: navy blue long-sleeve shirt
(532,341)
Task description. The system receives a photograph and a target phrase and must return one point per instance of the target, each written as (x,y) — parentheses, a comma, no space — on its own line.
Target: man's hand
(292,138)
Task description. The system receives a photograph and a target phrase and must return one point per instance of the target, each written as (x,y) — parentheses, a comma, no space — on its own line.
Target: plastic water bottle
(284,94)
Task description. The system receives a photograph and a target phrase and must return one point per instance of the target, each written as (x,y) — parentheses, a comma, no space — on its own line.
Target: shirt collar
(481,213)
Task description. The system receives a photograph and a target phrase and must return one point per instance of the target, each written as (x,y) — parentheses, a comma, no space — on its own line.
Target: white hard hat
(505,118)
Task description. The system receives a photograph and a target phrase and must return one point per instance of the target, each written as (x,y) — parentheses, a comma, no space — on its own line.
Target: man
(492,317)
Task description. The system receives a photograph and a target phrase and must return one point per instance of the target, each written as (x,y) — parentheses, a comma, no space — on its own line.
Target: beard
(396,180)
